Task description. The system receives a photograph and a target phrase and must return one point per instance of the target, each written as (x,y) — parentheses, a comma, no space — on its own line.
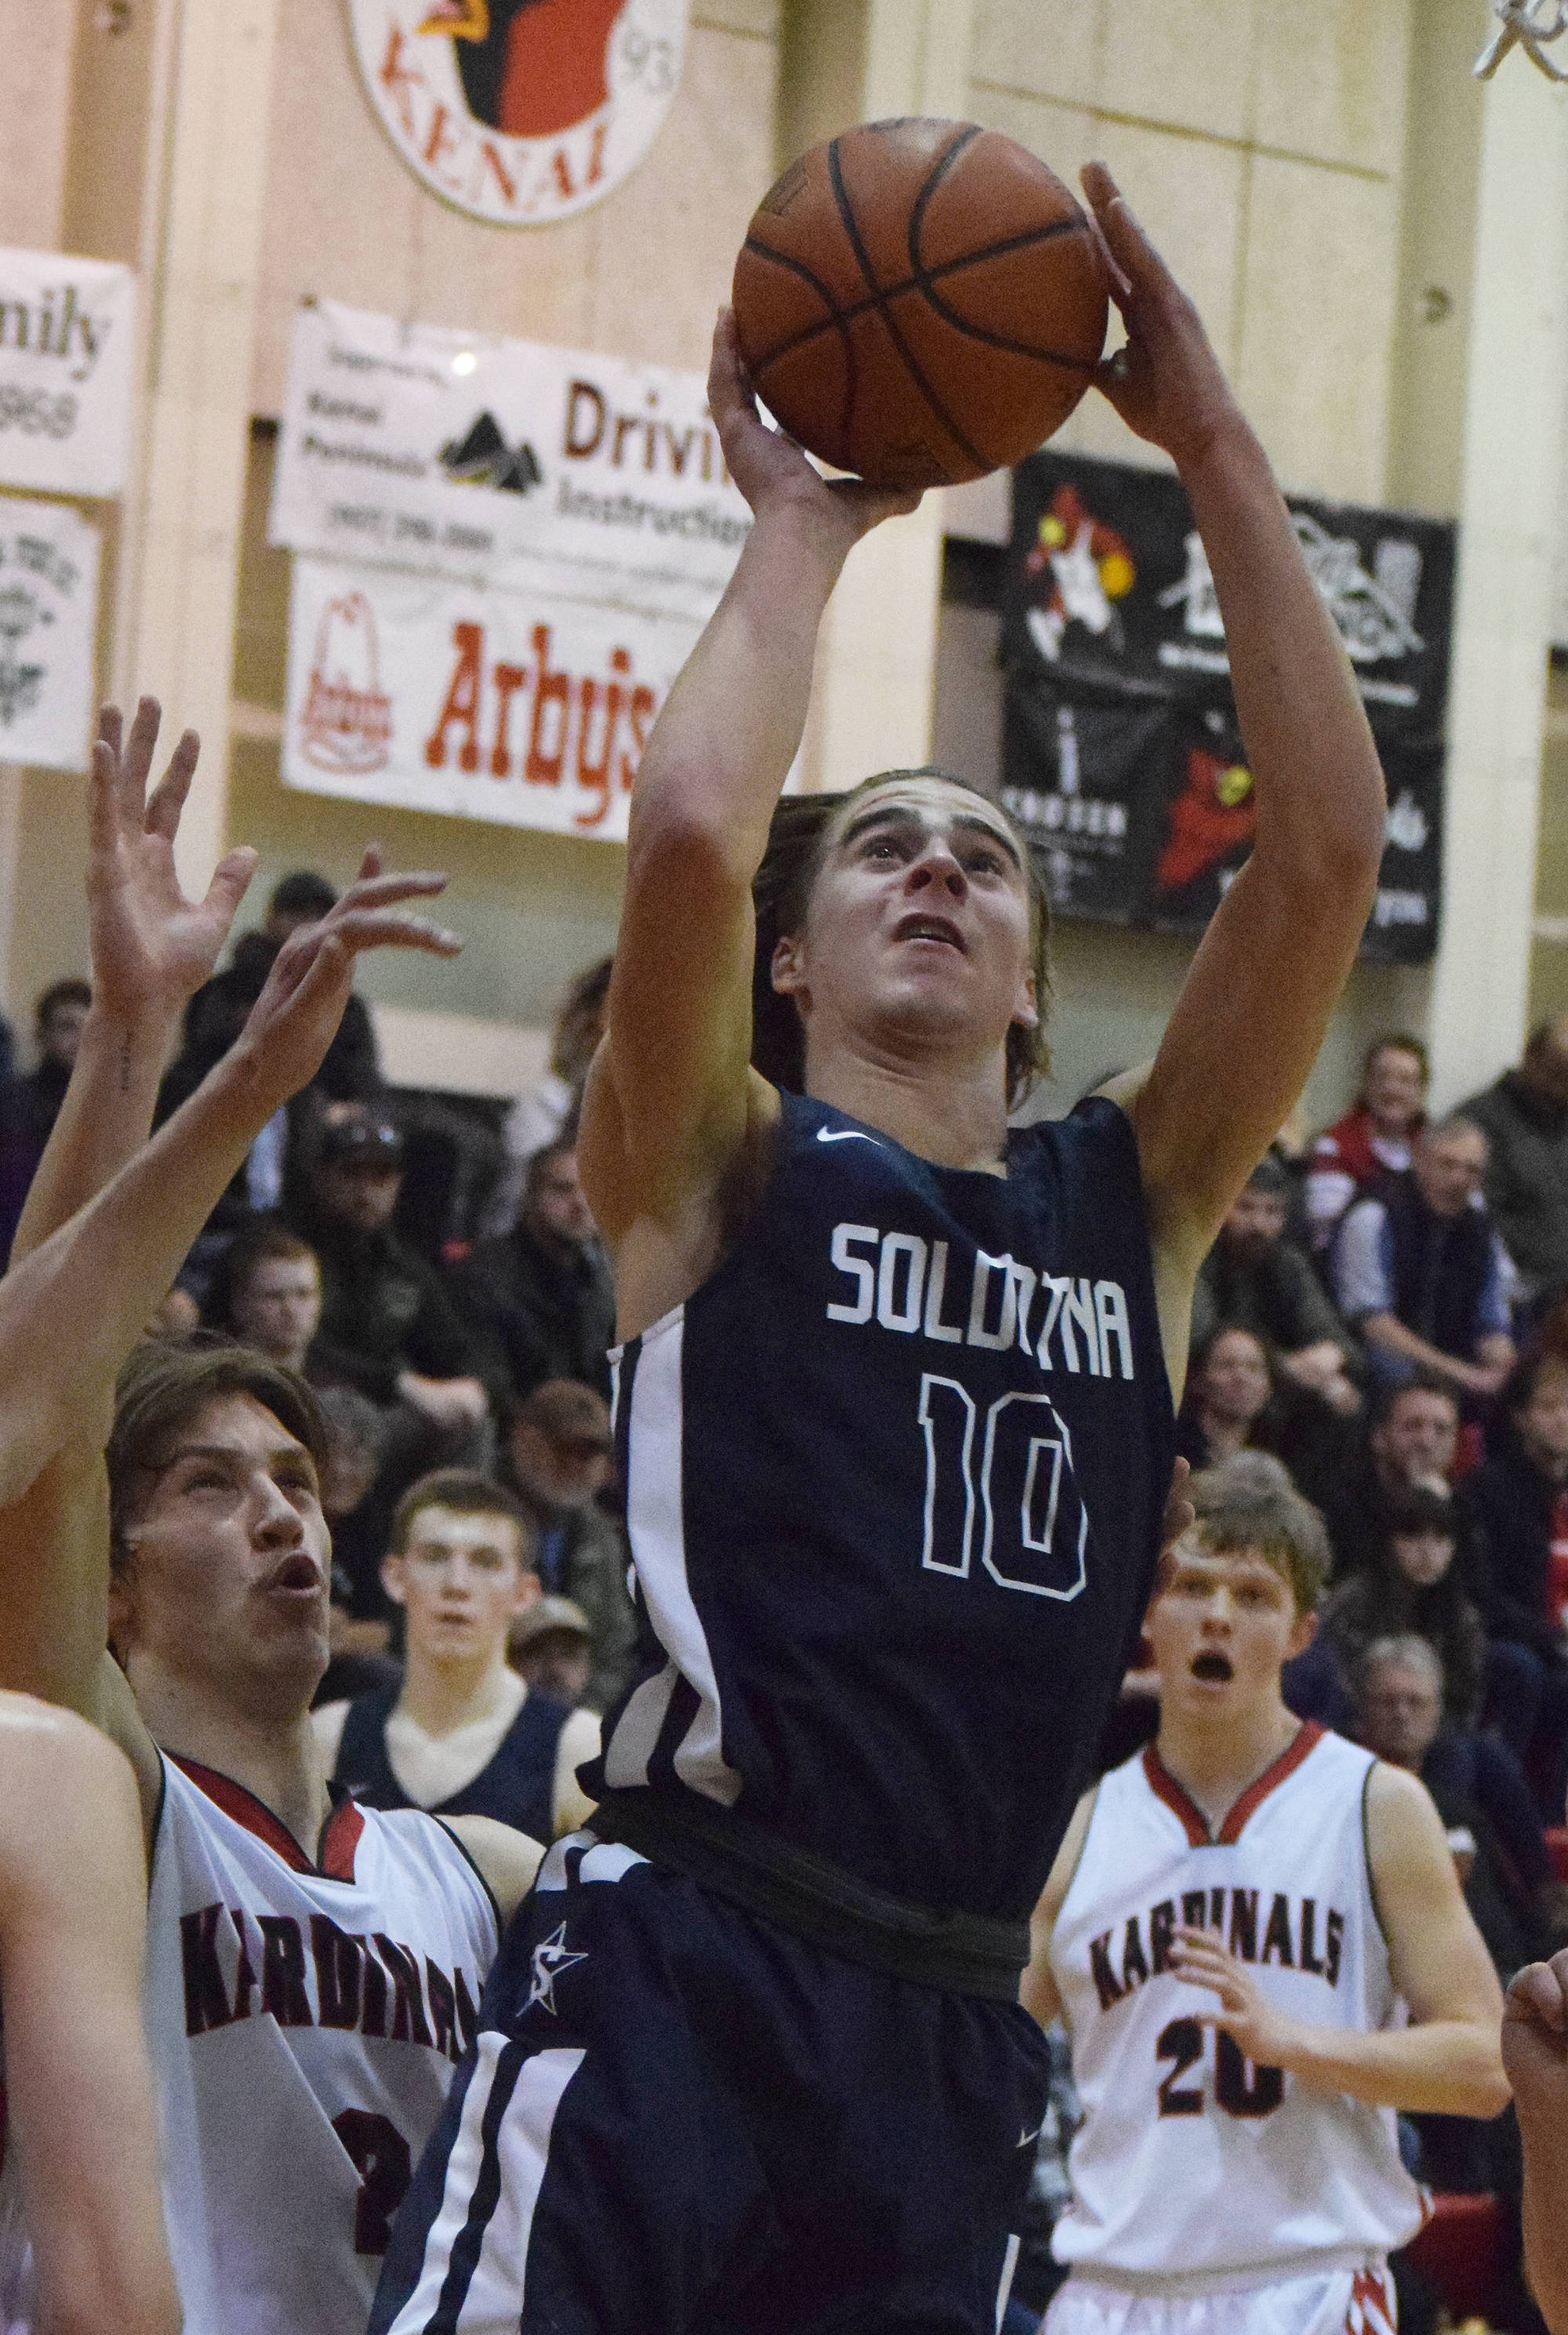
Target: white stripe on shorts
(493,2302)
(1009,2265)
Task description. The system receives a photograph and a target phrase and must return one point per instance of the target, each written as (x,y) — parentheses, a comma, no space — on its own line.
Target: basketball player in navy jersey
(894,1411)
(312,1969)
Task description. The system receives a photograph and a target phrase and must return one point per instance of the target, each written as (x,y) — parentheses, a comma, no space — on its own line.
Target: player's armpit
(1038,1988)
(507,1859)
(73,1893)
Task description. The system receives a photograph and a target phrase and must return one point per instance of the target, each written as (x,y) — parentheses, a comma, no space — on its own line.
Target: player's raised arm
(666,1109)
(1254,1006)
(72,1310)
(1447,2061)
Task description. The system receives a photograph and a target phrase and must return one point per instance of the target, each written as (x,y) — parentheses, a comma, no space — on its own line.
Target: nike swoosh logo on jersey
(1027,2139)
(846,1135)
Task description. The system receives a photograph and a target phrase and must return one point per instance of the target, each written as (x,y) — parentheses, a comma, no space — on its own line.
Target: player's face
(226,1591)
(918,926)
(461,1582)
(1220,1627)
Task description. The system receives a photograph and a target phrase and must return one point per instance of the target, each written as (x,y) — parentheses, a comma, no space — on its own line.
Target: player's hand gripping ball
(920,302)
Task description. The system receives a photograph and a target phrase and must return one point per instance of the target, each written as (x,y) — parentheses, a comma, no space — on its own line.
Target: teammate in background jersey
(463,1734)
(1235,1927)
(895,1433)
(82,2243)
(311,1972)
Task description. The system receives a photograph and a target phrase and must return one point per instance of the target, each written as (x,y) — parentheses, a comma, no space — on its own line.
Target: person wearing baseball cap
(551,1645)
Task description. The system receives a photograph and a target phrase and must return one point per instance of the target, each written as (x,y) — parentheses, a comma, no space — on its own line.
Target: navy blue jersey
(893,1477)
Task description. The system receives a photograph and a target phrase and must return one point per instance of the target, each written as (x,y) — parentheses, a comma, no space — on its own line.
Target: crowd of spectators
(1387,1319)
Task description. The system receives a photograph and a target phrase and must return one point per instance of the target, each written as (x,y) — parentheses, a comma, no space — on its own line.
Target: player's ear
(391,1576)
(788,969)
(1026,1004)
(1303,1629)
(530,1589)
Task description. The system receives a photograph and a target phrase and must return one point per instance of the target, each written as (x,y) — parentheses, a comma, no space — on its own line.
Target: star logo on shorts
(551,1957)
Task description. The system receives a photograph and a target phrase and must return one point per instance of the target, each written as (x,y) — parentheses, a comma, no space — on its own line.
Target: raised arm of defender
(71,1310)
(1253,1011)
(667,1108)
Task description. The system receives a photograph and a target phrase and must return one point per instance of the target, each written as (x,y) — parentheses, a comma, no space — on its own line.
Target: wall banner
(1122,757)
(519,112)
(67,370)
(447,697)
(48,634)
(501,461)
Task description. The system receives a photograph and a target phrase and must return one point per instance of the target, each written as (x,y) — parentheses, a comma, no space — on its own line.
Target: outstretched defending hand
(151,947)
(1166,382)
(769,468)
(295,1018)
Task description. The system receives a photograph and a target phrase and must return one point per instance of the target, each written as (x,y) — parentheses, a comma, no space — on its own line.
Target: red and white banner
(441,696)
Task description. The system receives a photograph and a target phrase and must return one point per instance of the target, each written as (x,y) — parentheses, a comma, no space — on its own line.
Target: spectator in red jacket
(1373,1139)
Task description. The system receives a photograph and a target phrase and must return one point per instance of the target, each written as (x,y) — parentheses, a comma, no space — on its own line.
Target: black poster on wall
(1122,757)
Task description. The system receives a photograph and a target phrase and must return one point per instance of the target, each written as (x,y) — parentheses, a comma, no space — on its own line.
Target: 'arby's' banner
(449,697)
(1122,758)
(505,462)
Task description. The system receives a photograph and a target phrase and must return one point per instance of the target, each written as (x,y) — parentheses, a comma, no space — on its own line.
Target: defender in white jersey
(1256,1937)
(312,1970)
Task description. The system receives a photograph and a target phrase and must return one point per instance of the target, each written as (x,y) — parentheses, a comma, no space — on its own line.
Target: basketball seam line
(922,281)
(851,375)
(852,230)
(916,223)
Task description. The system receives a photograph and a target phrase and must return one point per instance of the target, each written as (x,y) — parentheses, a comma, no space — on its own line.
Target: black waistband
(816,1899)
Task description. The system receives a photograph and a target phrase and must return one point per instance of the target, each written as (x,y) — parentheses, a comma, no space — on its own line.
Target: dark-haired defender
(311,1968)
(896,1432)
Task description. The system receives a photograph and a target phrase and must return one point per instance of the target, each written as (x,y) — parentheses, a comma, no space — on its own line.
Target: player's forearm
(103,1122)
(1444,2067)
(721,749)
(1318,787)
(70,1314)
(1544,2205)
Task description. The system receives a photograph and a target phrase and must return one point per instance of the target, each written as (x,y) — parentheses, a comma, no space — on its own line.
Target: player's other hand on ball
(1165,383)
(1535,2036)
(1258,2028)
(771,470)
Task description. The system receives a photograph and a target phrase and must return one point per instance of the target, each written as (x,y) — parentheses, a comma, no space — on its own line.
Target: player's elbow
(685,838)
(1480,2090)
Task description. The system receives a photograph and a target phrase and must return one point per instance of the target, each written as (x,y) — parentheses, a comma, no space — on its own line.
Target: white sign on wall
(67,350)
(449,697)
(48,623)
(520,112)
(544,470)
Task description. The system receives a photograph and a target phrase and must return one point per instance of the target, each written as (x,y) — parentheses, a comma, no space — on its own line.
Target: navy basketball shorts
(678,2118)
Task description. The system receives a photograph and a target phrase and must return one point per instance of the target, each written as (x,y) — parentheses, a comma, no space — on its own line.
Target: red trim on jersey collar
(1165,1786)
(340,1835)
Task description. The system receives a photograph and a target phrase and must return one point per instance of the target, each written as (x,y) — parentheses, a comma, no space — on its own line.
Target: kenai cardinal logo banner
(520,112)
(1122,757)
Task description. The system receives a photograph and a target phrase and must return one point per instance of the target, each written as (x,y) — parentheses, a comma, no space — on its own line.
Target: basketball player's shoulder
(53,1759)
(504,1859)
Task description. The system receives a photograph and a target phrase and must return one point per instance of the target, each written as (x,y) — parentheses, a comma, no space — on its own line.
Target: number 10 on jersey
(1003,1476)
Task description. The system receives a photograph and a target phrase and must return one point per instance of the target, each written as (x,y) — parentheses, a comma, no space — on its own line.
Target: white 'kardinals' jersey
(304,2023)
(1193,2168)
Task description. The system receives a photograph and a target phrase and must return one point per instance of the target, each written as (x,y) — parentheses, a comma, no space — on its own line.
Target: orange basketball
(920,302)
